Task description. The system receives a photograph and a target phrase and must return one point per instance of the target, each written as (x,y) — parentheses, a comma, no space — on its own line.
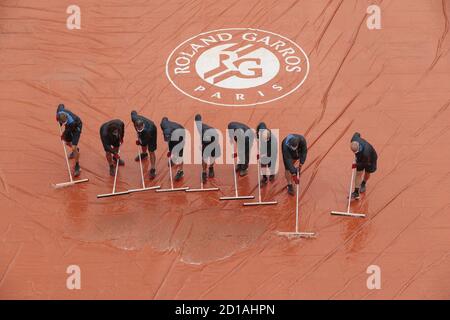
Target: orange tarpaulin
(391,85)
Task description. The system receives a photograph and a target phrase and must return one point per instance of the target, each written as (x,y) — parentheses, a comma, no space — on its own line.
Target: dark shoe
(355,195)
(152,173)
(238,167)
(76,170)
(243,172)
(144,155)
(290,189)
(179,175)
(121,162)
(271,177)
(204,177)
(211,173)
(363,187)
(112,171)
(264,180)
(72,155)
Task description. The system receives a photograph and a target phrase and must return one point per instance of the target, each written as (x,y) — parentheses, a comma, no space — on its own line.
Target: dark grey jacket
(108,139)
(299,153)
(366,154)
(149,128)
(168,127)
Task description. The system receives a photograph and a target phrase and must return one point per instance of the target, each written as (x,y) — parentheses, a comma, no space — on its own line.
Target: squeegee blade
(348,214)
(263,203)
(298,234)
(237,198)
(144,189)
(173,190)
(68,184)
(112,194)
(202,189)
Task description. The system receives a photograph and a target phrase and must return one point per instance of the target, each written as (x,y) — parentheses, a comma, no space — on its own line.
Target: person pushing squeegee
(70,137)
(146,140)
(111,135)
(365,163)
(268,146)
(241,136)
(210,150)
(294,149)
(266,161)
(175,135)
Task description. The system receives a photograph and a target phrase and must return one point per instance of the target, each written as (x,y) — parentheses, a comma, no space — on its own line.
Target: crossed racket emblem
(230,61)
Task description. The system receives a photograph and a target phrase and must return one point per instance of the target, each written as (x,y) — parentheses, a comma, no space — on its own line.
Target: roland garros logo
(237,67)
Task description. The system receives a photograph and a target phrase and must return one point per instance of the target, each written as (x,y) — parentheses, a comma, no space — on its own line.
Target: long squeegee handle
(234,172)
(140,166)
(65,155)
(115,176)
(351,186)
(170,170)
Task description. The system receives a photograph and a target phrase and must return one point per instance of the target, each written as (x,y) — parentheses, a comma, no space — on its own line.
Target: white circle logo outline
(237,105)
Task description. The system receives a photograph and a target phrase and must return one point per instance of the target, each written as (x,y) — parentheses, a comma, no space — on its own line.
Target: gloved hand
(353,165)
(116,156)
(168,154)
(62,136)
(138,143)
(295,179)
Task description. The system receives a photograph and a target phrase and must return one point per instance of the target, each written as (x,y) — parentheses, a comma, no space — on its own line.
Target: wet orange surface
(392,85)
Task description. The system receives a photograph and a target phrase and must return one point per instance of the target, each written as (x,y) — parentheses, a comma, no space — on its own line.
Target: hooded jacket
(149,128)
(236,126)
(294,147)
(243,151)
(168,127)
(108,139)
(268,147)
(366,154)
(73,121)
